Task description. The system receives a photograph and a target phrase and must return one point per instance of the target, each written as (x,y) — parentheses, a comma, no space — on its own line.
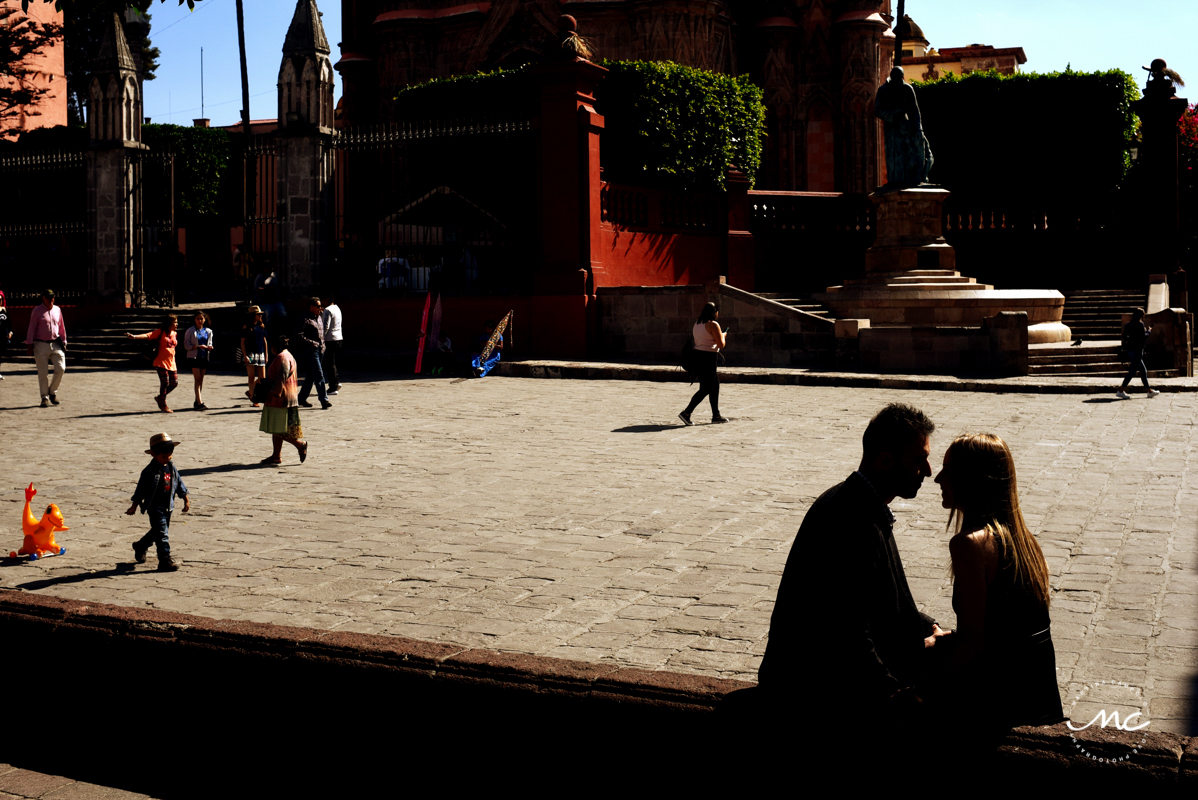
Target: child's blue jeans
(159,533)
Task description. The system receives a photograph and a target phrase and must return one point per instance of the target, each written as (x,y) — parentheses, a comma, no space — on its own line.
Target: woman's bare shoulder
(978,544)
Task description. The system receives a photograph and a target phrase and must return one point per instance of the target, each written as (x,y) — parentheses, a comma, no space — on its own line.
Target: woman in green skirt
(280,412)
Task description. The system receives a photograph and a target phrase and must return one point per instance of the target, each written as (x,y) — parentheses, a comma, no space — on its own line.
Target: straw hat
(254,310)
(161,441)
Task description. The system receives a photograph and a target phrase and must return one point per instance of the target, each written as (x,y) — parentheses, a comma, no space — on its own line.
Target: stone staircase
(103,344)
(801,303)
(1095,317)
(1097,314)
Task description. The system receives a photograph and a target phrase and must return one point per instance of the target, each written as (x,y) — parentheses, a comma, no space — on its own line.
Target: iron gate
(44,236)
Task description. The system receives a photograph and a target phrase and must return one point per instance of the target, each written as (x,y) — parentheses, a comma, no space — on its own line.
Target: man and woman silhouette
(850,657)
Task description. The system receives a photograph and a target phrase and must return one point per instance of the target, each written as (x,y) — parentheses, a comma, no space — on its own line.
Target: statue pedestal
(910,232)
(911,278)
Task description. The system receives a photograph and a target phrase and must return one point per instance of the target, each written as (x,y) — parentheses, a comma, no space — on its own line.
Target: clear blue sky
(174,95)
(1088,34)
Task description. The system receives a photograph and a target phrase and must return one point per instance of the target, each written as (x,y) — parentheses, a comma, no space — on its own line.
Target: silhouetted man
(846,640)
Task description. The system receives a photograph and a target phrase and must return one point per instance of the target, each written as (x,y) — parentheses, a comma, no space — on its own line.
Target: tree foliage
(665,124)
(499,92)
(678,126)
(1062,136)
(202,165)
(21,38)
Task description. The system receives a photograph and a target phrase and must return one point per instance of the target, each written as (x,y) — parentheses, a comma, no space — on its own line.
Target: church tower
(306,74)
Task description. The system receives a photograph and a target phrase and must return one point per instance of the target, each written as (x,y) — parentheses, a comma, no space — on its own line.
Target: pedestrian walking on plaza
(1135,336)
(198,341)
(164,358)
(46,341)
(157,488)
(1001,670)
(332,343)
(708,340)
(311,336)
(280,414)
(254,349)
(5,332)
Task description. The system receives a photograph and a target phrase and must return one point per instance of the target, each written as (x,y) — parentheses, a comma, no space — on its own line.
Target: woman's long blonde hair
(985,495)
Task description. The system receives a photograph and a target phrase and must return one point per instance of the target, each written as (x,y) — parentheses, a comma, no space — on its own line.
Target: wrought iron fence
(154,244)
(262,211)
(44,239)
(439,203)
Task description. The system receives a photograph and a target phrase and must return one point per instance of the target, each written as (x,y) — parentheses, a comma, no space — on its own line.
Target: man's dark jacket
(845,629)
(311,334)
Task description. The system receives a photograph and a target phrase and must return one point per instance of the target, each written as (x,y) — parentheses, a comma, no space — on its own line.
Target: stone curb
(396,653)
(130,639)
(797,377)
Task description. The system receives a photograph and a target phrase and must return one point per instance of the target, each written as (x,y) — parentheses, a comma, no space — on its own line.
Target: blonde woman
(1002,671)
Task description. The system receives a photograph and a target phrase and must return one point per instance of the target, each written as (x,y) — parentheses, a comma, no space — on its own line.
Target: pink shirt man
(45,324)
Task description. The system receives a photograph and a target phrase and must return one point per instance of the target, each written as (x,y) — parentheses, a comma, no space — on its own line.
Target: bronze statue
(908,155)
(1162,81)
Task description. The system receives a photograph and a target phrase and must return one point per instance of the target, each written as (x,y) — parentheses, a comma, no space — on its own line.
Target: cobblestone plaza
(580,519)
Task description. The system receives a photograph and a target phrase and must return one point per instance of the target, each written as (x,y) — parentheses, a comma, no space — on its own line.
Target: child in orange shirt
(164,361)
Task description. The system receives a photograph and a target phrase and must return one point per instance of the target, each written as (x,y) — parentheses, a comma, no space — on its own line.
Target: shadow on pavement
(118,414)
(45,583)
(225,468)
(1103,400)
(648,428)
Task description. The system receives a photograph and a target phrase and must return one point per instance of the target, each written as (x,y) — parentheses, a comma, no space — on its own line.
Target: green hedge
(503,92)
(678,126)
(666,125)
(203,159)
(1063,136)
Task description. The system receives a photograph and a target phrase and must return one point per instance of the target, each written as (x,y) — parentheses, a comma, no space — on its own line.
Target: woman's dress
(1013,681)
(280,412)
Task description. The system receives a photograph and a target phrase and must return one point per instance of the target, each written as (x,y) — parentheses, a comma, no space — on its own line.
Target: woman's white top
(703,338)
(191,340)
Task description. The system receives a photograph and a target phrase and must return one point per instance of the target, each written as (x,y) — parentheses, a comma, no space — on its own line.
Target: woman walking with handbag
(164,358)
(1135,336)
(280,412)
(198,341)
(709,340)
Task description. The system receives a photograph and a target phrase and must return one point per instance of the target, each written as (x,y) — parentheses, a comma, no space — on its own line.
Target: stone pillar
(1158,158)
(113,183)
(859,35)
(304,181)
(304,173)
(739,264)
(570,233)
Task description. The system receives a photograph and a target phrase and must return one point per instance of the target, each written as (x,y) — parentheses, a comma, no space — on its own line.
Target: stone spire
(306,34)
(114,92)
(306,74)
(114,55)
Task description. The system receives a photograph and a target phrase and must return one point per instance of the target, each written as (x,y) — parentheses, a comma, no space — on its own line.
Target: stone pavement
(23,783)
(578,519)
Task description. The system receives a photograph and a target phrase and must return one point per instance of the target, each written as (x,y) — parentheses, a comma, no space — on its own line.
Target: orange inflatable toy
(39,536)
